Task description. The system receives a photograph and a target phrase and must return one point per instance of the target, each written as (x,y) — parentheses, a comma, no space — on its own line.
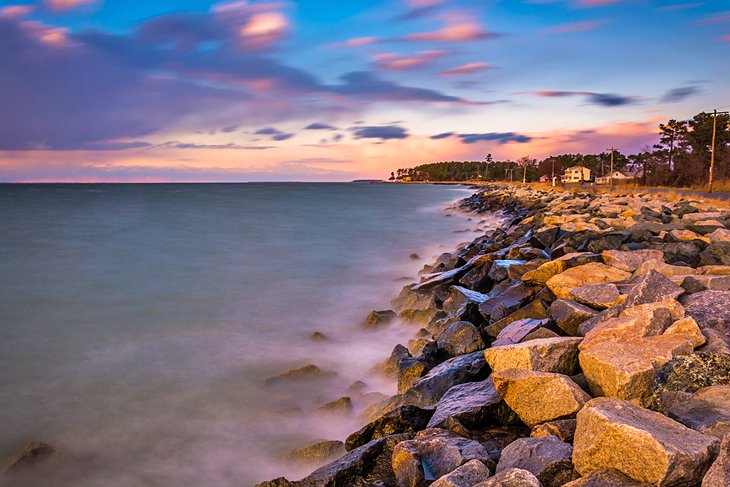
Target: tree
(671,134)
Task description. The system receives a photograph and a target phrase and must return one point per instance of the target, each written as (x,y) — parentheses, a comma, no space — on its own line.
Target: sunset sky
(316,90)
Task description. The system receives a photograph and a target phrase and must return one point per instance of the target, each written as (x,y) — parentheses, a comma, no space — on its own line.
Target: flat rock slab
(538,397)
(474,405)
(516,331)
(557,355)
(586,274)
(546,457)
(642,444)
(471,473)
(707,411)
(599,296)
(514,477)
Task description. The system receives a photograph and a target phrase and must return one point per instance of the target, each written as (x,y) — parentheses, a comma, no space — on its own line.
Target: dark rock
(568,315)
(316,453)
(605,242)
(431,454)
(342,405)
(545,238)
(414,256)
(318,337)
(474,405)
(404,419)
(308,372)
(706,411)
(379,318)
(390,366)
(478,278)
(717,253)
(563,429)
(499,270)
(416,307)
(460,338)
(650,288)
(464,303)
(677,252)
(607,477)
(506,302)
(357,387)
(514,477)
(539,334)
(711,310)
(535,309)
(429,389)
(33,454)
(599,296)
(409,371)
(546,457)
(719,473)
(516,331)
(690,373)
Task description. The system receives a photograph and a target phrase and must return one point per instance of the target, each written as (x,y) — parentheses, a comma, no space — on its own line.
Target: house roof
(577,167)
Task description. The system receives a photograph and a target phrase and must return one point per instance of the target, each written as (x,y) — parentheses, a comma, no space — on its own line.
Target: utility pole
(715,113)
(610,175)
(524,175)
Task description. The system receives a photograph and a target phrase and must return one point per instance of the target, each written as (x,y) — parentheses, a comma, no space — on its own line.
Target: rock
(516,331)
(539,334)
(666,270)
(514,477)
(508,301)
(592,273)
(34,453)
(357,387)
(342,405)
(414,256)
(688,328)
(568,315)
(464,303)
(719,235)
(711,310)
(607,477)
(460,338)
(478,278)
(471,473)
(316,453)
(318,337)
(541,275)
(416,307)
(538,397)
(474,405)
(379,318)
(719,472)
(599,296)
(649,321)
(429,389)
(358,468)
(717,253)
(389,367)
(431,454)
(409,371)
(650,288)
(695,284)
(404,419)
(563,429)
(642,444)
(629,261)
(544,238)
(535,309)
(557,355)
(691,373)
(706,411)
(308,372)
(546,457)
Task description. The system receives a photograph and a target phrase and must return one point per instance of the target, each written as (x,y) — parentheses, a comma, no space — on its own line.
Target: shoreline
(569,282)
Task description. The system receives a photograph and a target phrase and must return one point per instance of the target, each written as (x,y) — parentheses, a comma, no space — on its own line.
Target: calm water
(137,322)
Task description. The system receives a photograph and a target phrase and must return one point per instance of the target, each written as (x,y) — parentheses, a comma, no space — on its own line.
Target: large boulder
(642,444)
(431,454)
(377,319)
(316,453)
(409,371)
(608,477)
(473,404)
(460,338)
(559,355)
(711,310)
(599,296)
(719,472)
(629,261)
(469,474)
(707,411)
(717,253)
(535,309)
(404,419)
(650,288)
(587,274)
(568,315)
(546,457)
(513,477)
(538,397)
(629,326)
(506,302)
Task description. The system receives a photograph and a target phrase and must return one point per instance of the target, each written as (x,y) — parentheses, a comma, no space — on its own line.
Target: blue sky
(115,90)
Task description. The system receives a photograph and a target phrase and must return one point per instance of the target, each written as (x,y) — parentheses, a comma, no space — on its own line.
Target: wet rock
(719,472)
(464,303)
(650,288)
(474,405)
(568,315)
(308,372)
(629,261)
(538,397)
(506,302)
(469,474)
(404,419)
(599,296)
(414,256)
(516,331)
(513,477)
(535,310)
(409,371)
(717,253)
(642,444)
(389,367)
(607,477)
(563,429)
(342,405)
(379,318)
(546,457)
(416,307)
(559,355)
(318,337)
(357,387)
(460,338)
(587,274)
(431,454)
(706,411)
(429,389)
(315,453)
(33,454)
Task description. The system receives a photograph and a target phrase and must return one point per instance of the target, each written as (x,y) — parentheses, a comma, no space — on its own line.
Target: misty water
(138,322)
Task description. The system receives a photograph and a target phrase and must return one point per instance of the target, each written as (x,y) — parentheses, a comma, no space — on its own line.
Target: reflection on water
(137,322)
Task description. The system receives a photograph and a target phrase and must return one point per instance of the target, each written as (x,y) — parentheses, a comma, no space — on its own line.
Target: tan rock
(630,260)
(687,236)
(687,327)
(714,270)
(719,472)
(564,429)
(542,274)
(719,235)
(537,397)
(616,370)
(582,275)
(667,270)
(628,327)
(559,355)
(642,444)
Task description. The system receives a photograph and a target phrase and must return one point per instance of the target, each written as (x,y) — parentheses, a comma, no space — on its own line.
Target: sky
(319,90)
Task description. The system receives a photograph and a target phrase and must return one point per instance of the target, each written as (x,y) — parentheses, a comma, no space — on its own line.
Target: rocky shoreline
(584,343)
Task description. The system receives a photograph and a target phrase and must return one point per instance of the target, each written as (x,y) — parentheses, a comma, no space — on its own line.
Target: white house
(577,174)
(620,177)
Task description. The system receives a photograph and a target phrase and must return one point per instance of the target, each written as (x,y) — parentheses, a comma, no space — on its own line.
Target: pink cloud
(16,10)
(395,62)
(719,18)
(65,5)
(424,3)
(258,25)
(47,34)
(466,69)
(457,29)
(682,6)
(595,3)
(358,41)
(577,26)
(725,38)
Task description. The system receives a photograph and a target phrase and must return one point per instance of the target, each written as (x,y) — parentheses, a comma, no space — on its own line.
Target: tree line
(681,157)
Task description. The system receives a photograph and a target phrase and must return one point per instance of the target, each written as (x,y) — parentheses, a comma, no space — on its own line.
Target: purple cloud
(499,137)
(382,132)
(319,126)
(678,94)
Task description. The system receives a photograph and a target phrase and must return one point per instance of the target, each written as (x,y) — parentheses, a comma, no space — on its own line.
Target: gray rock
(650,288)
(474,405)
(546,457)
(516,331)
(460,338)
(706,411)
(535,309)
(471,473)
(711,310)
(404,419)
(506,302)
(717,253)
(514,477)
(599,296)
(568,315)
(719,473)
